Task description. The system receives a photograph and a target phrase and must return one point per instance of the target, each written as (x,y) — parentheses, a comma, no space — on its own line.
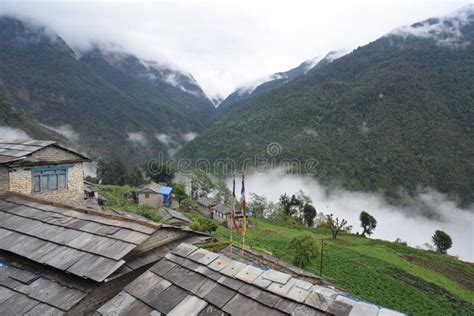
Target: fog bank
(393,222)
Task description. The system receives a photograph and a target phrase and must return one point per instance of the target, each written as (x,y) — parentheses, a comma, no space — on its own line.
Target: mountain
(278,79)
(393,116)
(25,127)
(115,103)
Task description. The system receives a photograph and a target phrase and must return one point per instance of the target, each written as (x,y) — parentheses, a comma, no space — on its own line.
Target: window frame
(45,176)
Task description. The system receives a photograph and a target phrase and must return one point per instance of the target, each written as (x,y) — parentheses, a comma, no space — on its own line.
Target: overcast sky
(227,44)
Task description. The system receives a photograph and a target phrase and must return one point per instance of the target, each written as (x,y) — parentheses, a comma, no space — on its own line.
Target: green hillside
(394,115)
(10,117)
(103,98)
(414,281)
(411,280)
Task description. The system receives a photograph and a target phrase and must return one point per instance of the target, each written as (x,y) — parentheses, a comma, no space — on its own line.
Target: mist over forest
(410,222)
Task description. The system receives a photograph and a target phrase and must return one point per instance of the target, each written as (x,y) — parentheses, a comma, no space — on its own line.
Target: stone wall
(4,179)
(153,200)
(21,182)
(51,153)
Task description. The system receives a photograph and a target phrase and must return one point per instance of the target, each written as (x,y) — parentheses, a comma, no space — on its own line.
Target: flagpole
(232,215)
(243,207)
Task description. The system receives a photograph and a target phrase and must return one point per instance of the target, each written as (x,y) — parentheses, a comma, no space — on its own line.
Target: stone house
(221,213)
(43,169)
(204,206)
(154,195)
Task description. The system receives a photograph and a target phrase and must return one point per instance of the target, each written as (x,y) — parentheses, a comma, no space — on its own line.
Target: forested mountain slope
(394,115)
(117,104)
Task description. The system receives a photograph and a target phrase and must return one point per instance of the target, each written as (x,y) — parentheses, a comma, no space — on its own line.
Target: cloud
(221,55)
(446,30)
(12,133)
(137,138)
(166,140)
(67,131)
(364,129)
(189,136)
(408,222)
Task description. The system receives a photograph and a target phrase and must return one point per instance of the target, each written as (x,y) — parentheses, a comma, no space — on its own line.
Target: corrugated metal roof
(156,188)
(165,190)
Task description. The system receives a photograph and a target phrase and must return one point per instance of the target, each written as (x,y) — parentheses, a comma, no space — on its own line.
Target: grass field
(116,200)
(411,280)
(414,281)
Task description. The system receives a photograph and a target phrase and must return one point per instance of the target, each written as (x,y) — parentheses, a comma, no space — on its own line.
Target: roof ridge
(83,210)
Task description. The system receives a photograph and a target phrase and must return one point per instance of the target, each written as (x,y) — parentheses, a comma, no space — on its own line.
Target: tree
(336,225)
(223,193)
(321,221)
(179,191)
(309,213)
(112,171)
(305,248)
(258,204)
(291,205)
(160,172)
(200,183)
(368,223)
(442,241)
(136,177)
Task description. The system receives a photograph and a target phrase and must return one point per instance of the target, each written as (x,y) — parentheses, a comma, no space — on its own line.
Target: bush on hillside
(305,249)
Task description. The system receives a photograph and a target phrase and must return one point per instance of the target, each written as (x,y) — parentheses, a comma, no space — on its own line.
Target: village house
(43,169)
(204,206)
(155,195)
(223,214)
(57,259)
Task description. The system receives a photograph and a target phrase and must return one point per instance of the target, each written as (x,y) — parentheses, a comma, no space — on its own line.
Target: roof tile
(190,306)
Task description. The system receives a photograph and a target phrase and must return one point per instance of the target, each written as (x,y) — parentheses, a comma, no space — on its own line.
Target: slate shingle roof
(13,150)
(221,208)
(192,281)
(85,243)
(173,216)
(204,200)
(54,258)
(30,291)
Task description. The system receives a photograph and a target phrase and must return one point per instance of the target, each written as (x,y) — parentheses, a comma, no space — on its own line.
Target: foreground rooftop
(193,281)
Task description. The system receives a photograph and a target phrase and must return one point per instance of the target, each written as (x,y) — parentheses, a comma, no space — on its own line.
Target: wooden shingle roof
(192,281)
(85,243)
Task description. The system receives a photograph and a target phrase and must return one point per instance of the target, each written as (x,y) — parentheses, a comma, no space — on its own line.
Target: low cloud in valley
(407,222)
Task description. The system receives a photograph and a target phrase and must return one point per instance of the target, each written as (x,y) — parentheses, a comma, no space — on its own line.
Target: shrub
(204,225)
(305,248)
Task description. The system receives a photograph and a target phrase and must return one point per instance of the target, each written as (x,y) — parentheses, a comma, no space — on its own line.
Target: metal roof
(165,190)
(193,281)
